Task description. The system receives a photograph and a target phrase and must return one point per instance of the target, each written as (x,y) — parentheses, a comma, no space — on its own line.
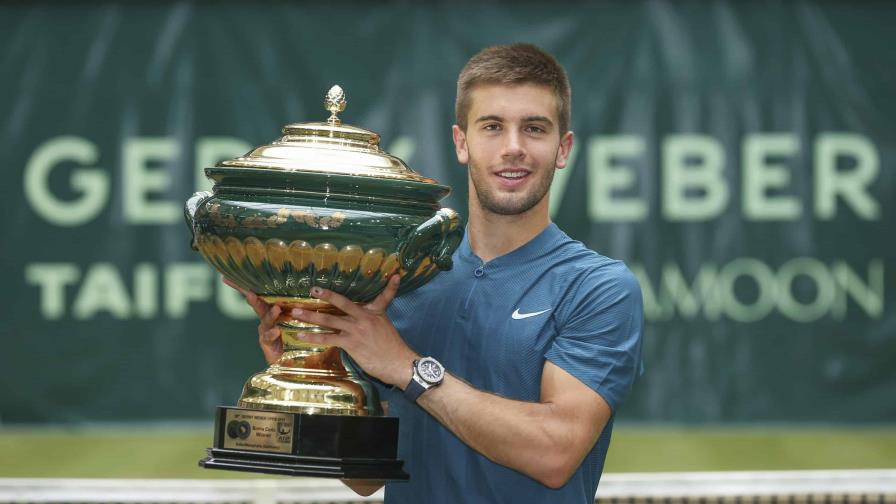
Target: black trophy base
(298,444)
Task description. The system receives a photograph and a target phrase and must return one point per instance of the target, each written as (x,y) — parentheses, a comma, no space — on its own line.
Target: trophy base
(300,444)
(235,460)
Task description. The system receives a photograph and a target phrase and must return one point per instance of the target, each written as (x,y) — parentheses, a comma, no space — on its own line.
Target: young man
(533,340)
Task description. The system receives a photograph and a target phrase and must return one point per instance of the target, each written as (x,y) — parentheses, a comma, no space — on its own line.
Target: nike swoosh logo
(520,316)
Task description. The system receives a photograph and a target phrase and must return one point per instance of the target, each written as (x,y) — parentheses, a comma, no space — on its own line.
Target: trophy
(322,206)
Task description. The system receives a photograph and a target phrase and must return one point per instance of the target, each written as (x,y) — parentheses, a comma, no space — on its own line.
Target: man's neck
(493,235)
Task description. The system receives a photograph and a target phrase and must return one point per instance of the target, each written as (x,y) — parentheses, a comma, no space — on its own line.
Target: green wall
(737,155)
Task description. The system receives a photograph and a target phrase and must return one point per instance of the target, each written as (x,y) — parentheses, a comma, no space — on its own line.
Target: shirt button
(479,272)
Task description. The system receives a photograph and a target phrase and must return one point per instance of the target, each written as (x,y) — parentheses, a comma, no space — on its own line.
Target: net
(766,487)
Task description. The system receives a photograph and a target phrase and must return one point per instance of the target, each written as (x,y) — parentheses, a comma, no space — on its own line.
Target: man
(539,337)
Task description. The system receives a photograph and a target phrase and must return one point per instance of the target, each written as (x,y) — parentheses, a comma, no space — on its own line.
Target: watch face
(430,370)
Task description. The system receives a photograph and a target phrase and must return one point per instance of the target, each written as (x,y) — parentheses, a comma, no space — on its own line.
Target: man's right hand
(268,332)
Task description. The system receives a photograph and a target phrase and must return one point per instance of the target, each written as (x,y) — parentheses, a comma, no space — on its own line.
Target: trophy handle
(436,238)
(190,209)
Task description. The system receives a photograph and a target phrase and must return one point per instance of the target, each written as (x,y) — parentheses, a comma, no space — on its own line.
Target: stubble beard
(510,203)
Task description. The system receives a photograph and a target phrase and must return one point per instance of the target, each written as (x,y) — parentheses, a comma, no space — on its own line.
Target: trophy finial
(335,103)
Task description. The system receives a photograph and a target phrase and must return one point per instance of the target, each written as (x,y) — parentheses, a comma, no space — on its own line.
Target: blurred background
(739,156)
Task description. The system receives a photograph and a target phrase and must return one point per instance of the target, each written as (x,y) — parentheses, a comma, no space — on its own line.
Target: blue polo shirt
(493,325)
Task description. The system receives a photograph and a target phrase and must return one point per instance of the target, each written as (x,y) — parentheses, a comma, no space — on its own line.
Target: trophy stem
(310,378)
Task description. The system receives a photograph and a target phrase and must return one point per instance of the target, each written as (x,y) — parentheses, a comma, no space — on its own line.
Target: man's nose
(513,145)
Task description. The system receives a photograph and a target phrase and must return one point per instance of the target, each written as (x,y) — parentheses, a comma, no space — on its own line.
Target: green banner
(738,156)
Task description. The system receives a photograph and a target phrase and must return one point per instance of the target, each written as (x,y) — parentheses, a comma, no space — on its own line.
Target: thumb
(385,298)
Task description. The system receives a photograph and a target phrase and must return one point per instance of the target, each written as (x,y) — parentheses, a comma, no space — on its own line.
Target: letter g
(91,183)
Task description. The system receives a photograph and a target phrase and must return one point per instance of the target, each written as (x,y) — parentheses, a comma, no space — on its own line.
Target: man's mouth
(512,174)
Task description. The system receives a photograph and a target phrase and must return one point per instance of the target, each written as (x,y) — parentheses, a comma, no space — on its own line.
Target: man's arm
(546,440)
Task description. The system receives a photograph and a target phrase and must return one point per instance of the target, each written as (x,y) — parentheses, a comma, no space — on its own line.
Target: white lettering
(140,181)
(688,300)
(868,295)
(606,176)
(51,279)
(761,174)
(102,290)
(186,282)
(146,290)
(693,164)
(91,183)
(747,290)
(851,185)
(652,309)
(825,290)
(764,279)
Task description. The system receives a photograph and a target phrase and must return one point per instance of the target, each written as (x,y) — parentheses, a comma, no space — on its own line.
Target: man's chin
(508,207)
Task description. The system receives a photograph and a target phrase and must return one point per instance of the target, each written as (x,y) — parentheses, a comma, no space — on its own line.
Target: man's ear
(564,150)
(460,145)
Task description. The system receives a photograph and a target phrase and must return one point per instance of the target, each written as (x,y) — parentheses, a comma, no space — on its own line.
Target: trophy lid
(328,147)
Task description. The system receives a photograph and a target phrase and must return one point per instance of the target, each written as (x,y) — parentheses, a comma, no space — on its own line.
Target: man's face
(512,146)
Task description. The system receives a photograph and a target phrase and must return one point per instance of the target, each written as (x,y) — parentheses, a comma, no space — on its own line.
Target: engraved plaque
(258,431)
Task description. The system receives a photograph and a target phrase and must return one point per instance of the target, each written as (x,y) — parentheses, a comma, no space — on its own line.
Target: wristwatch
(427,373)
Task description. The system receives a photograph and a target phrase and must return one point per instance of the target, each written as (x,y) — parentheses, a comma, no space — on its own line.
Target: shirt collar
(541,244)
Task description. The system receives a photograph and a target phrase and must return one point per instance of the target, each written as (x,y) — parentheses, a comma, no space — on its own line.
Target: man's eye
(535,129)
(492,127)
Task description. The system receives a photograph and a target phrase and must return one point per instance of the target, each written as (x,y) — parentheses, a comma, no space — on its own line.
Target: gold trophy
(322,206)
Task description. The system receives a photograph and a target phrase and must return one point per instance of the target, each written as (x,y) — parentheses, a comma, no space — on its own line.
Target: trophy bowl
(322,206)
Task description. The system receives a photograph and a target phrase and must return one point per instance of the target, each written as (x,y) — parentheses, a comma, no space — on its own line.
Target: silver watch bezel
(419,376)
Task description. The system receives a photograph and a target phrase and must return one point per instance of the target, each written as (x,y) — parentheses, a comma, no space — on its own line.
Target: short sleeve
(599,332)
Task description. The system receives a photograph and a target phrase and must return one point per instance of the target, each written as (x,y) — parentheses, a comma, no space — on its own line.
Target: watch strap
(413,390)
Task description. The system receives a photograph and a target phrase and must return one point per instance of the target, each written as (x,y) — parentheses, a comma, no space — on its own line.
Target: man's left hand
(365,332)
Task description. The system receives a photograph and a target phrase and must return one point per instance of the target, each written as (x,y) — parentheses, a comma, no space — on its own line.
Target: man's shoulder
(595,280)
(587,265)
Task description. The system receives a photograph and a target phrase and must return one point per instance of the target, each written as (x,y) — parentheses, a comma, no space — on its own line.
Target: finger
(324,319)
(331,339)
(269,336)
(268,319)
(233,284)
(385,298)
(339,301)
(271,345)
(258,305)
(272,355)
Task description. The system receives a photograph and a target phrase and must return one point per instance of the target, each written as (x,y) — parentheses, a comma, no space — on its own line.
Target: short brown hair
(513,64)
